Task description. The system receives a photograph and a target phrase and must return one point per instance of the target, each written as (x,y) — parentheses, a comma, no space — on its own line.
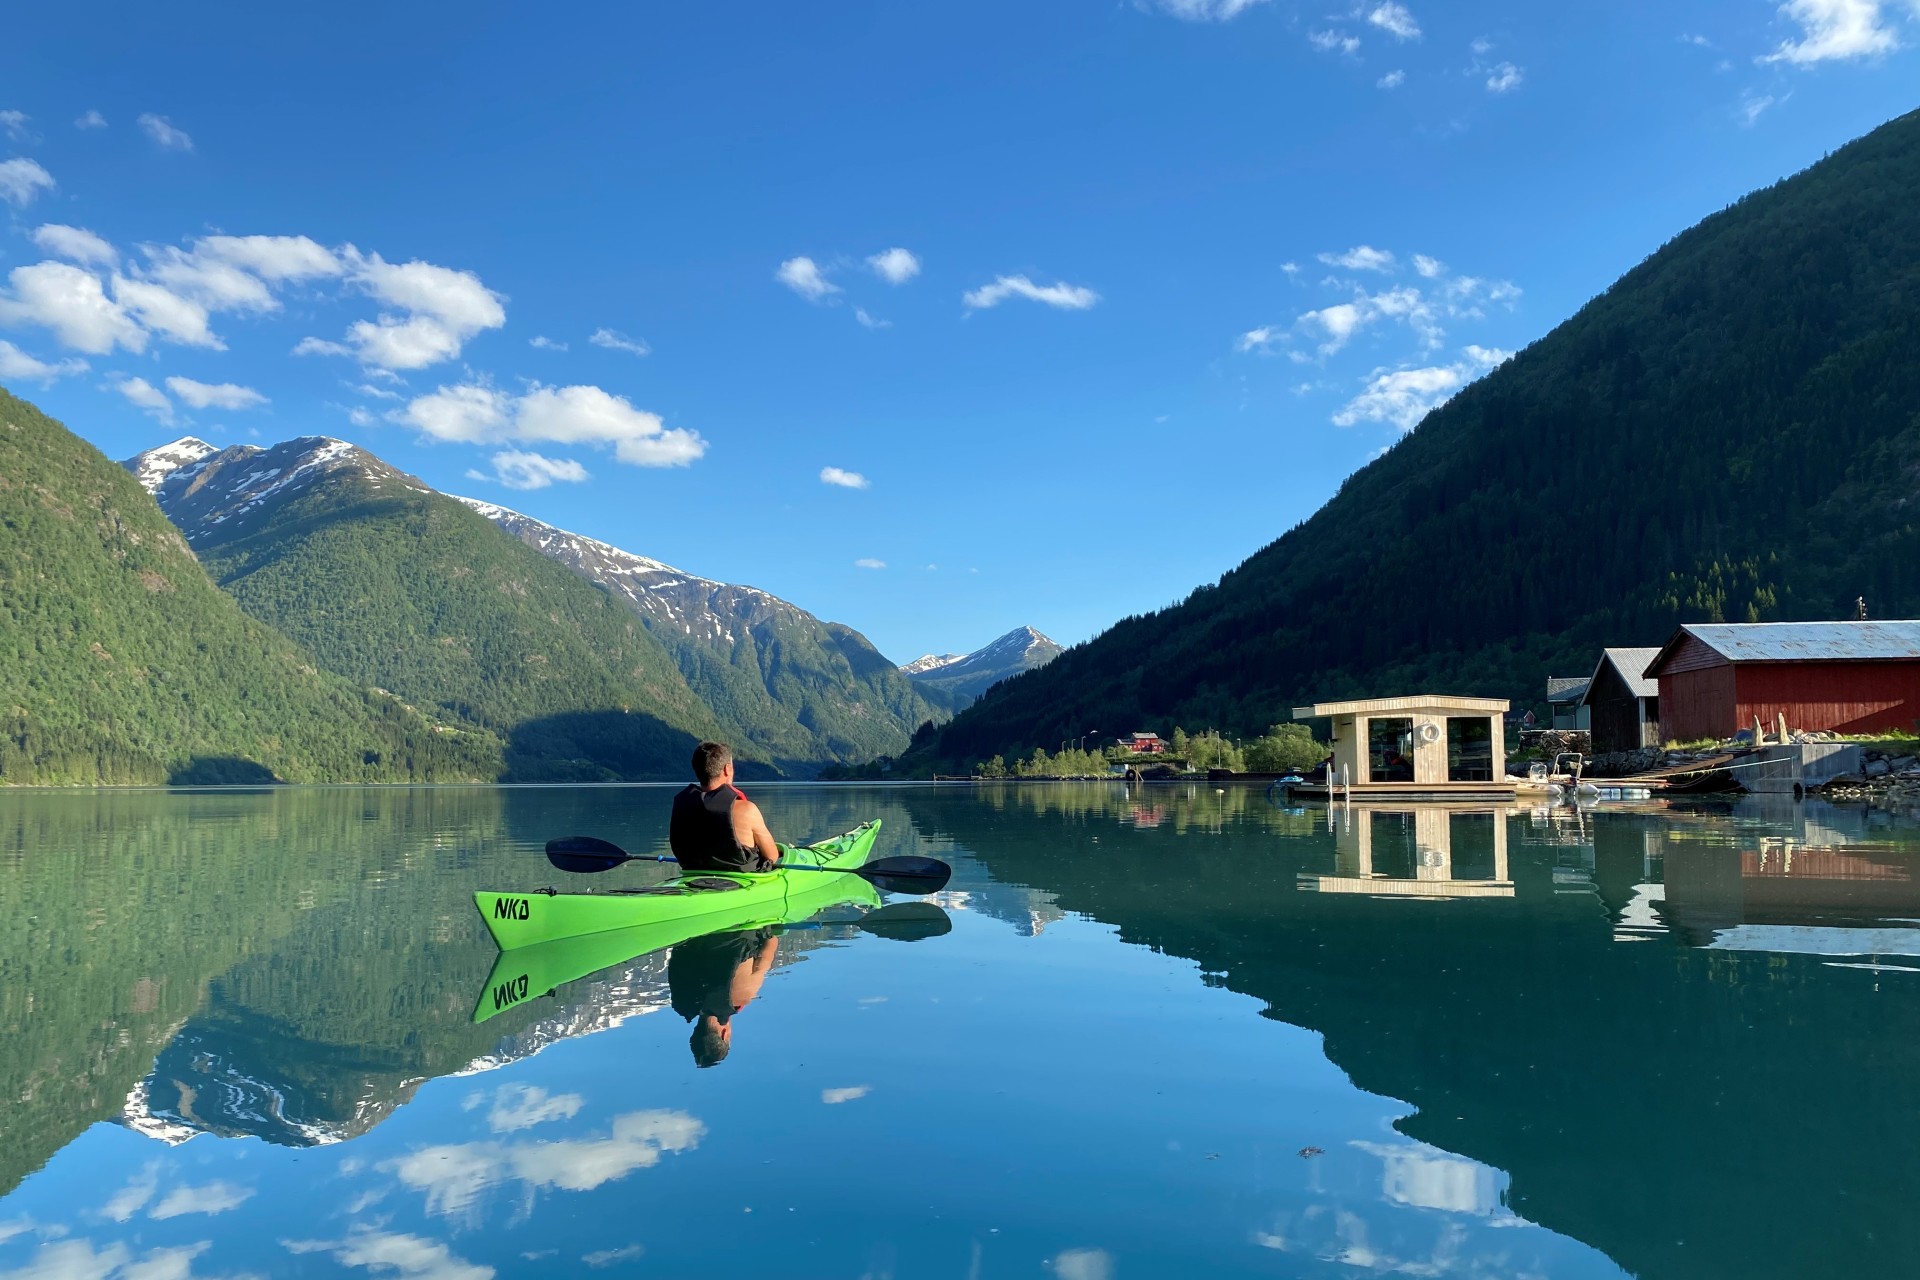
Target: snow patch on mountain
(153,467)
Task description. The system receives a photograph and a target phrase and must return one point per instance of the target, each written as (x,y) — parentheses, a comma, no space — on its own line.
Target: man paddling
(715,827)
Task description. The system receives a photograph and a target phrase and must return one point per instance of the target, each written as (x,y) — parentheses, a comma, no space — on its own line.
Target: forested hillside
(120,662)
(1731,431)
(396,587)
(802,691)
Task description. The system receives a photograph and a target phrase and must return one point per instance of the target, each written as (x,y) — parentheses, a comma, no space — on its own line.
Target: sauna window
(1390,749)
(1469,749)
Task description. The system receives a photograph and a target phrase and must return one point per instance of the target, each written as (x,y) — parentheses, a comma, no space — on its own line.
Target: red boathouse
(1849,677)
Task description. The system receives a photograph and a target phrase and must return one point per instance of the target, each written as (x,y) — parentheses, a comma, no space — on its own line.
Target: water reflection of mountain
(294,964)
(1689,1111)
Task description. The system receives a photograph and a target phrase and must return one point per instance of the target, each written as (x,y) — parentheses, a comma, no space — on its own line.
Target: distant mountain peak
(153,467)
(968,675)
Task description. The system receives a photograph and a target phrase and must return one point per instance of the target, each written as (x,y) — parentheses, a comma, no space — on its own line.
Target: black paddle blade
(906,922)
(906,874)
(585,854)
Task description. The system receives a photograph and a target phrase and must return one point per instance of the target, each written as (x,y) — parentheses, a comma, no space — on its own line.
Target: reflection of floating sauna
(1426,852)
(1425,747)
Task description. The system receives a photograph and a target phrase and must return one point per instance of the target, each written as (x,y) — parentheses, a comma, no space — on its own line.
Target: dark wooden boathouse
(1623,705)
(1849,677)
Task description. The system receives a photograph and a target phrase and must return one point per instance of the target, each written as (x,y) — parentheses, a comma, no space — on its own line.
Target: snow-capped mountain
(966,676)
(207,491)
(808,690)
(932,662)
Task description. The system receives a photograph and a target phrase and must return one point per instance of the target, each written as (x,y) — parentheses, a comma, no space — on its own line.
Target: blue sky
(1079,302)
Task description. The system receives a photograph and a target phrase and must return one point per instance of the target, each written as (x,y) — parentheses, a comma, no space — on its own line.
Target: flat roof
(1435,703)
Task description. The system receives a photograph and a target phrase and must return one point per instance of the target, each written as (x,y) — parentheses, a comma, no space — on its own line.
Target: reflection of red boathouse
(1709,890)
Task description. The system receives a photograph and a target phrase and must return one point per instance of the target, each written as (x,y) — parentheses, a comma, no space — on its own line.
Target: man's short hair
(710,1048)
(710,760)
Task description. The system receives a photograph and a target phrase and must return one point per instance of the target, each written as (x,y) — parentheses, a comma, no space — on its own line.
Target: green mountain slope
(396,587)
(120,662)
(805,692)
(1731,431)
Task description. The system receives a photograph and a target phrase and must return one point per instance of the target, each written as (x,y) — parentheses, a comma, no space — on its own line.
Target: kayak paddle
(588,854)
(898,921)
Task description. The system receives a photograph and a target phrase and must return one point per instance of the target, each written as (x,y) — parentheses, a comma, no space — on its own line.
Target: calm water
(1169,1033)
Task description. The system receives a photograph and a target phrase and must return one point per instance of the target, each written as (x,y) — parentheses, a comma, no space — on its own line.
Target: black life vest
(701,832)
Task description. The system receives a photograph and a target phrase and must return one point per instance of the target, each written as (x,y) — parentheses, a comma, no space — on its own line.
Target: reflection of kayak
(527,973)
(704,901)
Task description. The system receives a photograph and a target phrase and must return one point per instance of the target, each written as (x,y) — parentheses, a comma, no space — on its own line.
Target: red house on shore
(1849,677)
(1146,744)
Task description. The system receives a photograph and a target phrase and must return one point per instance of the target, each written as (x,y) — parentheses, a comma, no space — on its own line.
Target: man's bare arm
(755,834)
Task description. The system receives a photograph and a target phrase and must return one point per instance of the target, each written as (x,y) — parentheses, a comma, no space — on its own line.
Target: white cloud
(834,1097)
(163,132)
(1835,30)
(440,309)
(148,397)
(473,413)
(76,244)
(845,479)
(1391,80)
(1067,297)
(540,342)
(14,125)
(73,305)
(1698,41)
(214,1197)
(133,1197)
(1207,10)
(222,395)
(804,277)
(78,1260)
(1503,77)
(614,340)
(1261,339)
(1334,42)
(1362,257)
(867,321)
(869,563)
(18,366)
(391,1253)
(454,1177)
(276,259)
(895,266)
(359,417)
(1403,397)
(1395,20)
(1481,46)
(378,393)
(91,120)
(165,312)
(1431,268)
(1753,106)
(21,180)
(522,1106)
(607,1257)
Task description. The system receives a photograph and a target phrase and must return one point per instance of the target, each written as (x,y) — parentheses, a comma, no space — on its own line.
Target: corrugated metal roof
(1632,665)
(1567,688)
(1809,641)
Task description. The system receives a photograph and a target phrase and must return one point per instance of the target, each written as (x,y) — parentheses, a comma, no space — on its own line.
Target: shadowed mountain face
(1728,432)
(1644,1092)
(804,692)
(965,676)
(398,588)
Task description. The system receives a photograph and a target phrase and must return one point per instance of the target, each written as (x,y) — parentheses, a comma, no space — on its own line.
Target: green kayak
(705,901)
(527,973)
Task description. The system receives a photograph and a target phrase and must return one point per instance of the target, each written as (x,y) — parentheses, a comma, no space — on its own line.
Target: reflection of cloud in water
(79,1260)
(214,1197)
(522,1106)
(455,1175)
(832,1096)
(1430,1179)
(607,1257)
(396,1254)
(1083,1264)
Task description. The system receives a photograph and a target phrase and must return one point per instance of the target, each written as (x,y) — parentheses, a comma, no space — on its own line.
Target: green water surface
(1172,1031)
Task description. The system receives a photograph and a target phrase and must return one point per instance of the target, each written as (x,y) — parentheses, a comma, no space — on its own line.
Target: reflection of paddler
(714,977)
